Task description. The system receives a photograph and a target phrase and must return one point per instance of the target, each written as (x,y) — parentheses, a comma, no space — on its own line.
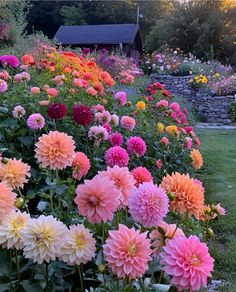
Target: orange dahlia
(56,150)
(188,195)
(197,160)
(15,173)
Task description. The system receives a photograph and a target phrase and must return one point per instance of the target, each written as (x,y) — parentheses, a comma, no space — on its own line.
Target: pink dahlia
(136,146)
(7,200)
(80,165)
(141,174)
(36,121)
(9,60)
(114,120)
(4,75)
(188,261)
(98,134)
(97,199)
(159,164)
(116,156)
(82,115)
(116,139)
(127,252)
(121,97)
(148,204)
(165,140)
(162,103)
(25,76)
(127,123)
(55,150)
(175,106)
(52,92)
(188,143)
(3,86)
(57,111)
(123,180)
(35,90)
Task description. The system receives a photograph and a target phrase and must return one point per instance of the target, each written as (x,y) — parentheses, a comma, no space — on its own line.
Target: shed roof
(97,34)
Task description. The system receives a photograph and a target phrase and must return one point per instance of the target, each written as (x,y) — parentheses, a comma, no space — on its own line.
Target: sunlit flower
(11,229)
(79,246)
(188,261)
(15,173)
(127,252)
(55,150)
(43,239)
(97,199)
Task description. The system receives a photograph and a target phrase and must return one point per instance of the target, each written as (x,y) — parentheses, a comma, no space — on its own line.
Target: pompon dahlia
(11,229)
(188,195)
(3,86)
(80,165)
(36,121)
(55,150)
(136,146)
(148,204)
(79,246)
(82,115)
(127,252)
(116,139)
(7,200)
(123,180)
(97,199)
(128,123)
(15,173)
(117,156)
(9,60)
(162,234)
(42,239)
(141,174)
(57,111)
(197,160)
(188,261)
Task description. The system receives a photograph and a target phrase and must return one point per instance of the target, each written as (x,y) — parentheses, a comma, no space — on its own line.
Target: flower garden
(98,189)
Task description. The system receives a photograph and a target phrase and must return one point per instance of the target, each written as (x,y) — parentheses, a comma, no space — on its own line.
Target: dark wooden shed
(109,36)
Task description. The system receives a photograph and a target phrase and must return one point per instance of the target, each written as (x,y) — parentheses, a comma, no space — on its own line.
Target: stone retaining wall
(214,109)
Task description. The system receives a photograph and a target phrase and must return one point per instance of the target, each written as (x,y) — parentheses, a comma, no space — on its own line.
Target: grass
(219,177)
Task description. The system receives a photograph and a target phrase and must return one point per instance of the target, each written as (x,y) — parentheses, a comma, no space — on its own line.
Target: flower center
(195,261)
(42,238)
(80,242)
(18,223)
(93,200)
(132,249)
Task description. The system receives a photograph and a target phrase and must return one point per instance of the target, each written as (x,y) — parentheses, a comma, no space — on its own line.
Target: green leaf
(3,266)
(31,286)
(26,140)
(4,287)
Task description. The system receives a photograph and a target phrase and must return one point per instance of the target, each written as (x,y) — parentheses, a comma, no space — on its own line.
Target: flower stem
(80,269)
(17,266)
(46,276)
(160,277)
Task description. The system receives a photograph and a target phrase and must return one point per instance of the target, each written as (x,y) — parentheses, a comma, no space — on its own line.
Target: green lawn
(219,176)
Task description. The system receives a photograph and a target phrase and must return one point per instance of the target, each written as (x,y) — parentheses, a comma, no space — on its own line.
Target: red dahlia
(57,111)
(82,115)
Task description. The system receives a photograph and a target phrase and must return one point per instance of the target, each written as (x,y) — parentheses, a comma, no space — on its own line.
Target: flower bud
(210,233)
(19,203)
(102,268)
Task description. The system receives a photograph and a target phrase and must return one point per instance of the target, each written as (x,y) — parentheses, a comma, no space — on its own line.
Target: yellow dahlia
(11,229)
(15,173)
(140,105)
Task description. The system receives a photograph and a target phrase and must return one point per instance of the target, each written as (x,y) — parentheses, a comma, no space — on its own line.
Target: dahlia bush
(98,188)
